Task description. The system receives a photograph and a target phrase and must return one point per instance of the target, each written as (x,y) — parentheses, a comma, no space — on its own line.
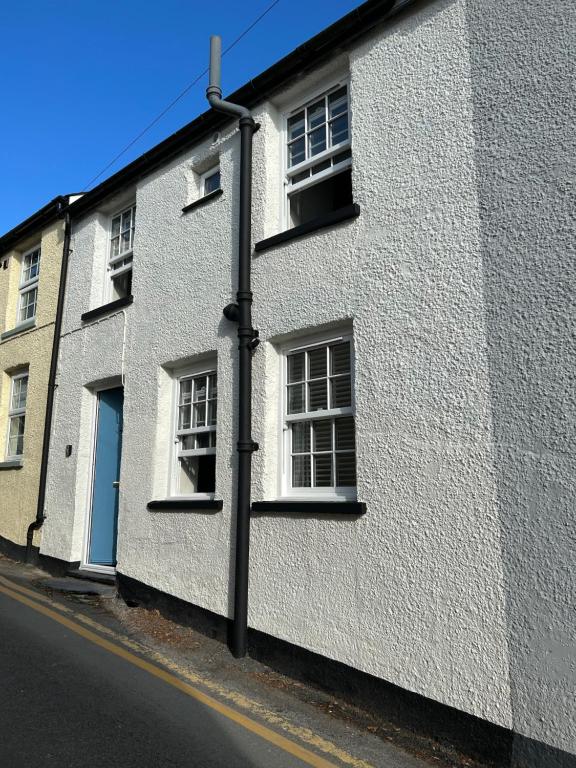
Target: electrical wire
(180,96)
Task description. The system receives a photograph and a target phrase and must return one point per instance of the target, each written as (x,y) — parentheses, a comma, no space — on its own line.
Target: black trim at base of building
(425,725)
(52,565)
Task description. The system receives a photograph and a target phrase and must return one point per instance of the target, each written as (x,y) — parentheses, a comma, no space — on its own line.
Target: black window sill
(125,301)
(185,505)
(13,464)
(311,507)
(322,222)
(27,325)
(202,200)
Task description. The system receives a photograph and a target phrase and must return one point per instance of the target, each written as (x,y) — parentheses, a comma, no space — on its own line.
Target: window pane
(317,395)
(212,386)
(337,102)
(212,183)
(296,152)
(342,156)
(340,358)
(323,435)
(213,439)
(295,126)
(317,363)
(185,391)
(301,471)
(316,114)
(126,220)
(345,434)
(321,166)
(125,244)
(341,396)
(317,141)
(115,226)
(345,469)
(184,417)
(300,176)
(339,130)
(296,368)
(301,437)
(115,247)
(323,470)
(188,442)
(19,393)
(31,266)
(203,440)
(28,305)
(16,436)
(199,419)
(200,390)
(296,398)
(212,412)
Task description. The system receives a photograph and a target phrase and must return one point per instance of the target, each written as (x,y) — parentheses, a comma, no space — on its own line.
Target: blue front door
(104,517)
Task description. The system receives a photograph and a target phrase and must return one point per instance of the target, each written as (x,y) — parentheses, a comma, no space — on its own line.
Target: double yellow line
(39,603)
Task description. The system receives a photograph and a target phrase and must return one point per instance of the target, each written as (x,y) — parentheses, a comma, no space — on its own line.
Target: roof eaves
(34,223)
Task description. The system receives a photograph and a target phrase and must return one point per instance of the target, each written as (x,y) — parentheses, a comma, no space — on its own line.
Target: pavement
(88,681)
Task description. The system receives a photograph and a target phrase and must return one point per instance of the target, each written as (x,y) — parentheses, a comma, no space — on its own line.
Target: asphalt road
(67,702)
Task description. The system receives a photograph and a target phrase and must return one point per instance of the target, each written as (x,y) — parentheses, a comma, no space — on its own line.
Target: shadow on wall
(523,121)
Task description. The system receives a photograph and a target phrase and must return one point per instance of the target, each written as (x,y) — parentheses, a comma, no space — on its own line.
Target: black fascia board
(40,219)
(309,55)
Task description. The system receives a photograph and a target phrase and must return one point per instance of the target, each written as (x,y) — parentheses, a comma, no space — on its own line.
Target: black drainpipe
(247,341)
(40,517)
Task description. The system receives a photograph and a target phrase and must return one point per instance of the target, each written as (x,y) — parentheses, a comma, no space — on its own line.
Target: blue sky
(81,78)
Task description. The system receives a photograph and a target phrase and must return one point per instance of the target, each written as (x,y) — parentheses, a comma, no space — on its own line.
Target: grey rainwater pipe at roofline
(240,312)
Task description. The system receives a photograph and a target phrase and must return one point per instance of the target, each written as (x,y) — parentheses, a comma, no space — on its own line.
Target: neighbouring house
(413,400)
(30,272)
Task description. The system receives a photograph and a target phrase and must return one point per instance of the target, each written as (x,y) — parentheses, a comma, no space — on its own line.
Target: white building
(429,316)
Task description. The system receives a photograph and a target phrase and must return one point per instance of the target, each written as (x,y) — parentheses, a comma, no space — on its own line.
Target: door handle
(116,484)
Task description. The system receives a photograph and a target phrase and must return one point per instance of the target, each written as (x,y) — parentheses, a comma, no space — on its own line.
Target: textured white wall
(417,590)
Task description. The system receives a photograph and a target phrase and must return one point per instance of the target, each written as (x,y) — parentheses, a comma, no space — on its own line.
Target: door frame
(85,565)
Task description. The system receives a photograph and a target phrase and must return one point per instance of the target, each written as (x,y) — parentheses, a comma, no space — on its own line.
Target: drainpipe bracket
(231,312)
(247,447)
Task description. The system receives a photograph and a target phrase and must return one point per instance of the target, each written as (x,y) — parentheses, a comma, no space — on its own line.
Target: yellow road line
(255,708)
(251,725)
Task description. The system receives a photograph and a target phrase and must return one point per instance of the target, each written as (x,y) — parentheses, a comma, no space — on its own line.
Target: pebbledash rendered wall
(456,583)
(32,349)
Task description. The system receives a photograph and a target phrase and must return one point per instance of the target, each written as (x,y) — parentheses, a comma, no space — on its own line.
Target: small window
(319,428)
(121,247)
(17,416)
(211,181)
(195,434)
(29,277)
(319,157)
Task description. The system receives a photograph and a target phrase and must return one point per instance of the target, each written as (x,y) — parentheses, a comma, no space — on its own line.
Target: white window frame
(27,286)
(327,154)
(330,493)
(208,174)
(14,413)
(206,369)
(126,256)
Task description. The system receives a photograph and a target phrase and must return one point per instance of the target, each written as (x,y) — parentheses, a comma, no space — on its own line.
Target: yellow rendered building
(30,273)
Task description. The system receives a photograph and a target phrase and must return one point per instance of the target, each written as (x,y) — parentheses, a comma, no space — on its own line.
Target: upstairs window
(319,427)
(29,277)
(17,416)
(195,434)
(210,181)
(121,245)
(319,157)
